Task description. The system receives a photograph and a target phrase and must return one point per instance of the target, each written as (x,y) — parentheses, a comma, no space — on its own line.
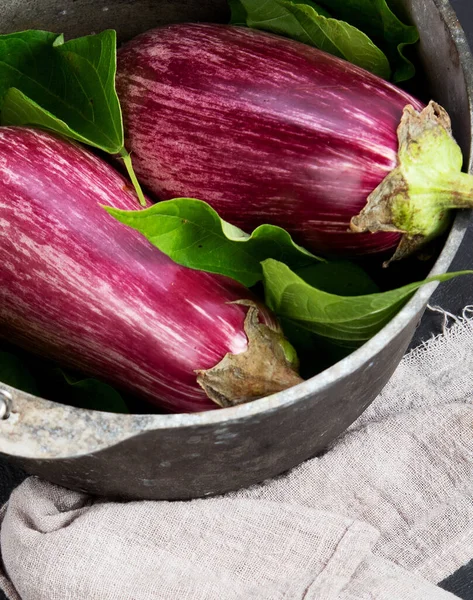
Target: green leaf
(90,393)
(301,22)
(14,372)
(377,20)
(191,233)
(349,321)
(239,14)
(21,54)
(67,88)
(318,9)
(343,278)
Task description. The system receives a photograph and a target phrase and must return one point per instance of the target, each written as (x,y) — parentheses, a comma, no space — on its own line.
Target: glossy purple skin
(265,129)
(79,287)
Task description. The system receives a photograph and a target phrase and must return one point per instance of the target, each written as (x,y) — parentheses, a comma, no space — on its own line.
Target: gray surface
(82,17)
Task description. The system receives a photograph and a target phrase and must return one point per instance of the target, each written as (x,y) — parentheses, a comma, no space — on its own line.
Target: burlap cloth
(384,515)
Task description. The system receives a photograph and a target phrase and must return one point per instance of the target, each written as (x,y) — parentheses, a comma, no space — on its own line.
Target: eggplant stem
(455,192)
(269,365)
(416,197)
(126,156)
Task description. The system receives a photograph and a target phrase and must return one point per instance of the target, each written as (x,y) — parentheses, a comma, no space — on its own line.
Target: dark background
(452,296)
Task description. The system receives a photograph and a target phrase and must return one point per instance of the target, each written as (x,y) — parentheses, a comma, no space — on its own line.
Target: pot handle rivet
(5,404)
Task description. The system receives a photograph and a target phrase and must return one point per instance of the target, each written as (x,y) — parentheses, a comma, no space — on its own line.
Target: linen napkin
(385,514)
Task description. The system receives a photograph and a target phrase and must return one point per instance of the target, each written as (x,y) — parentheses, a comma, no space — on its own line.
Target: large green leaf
(339,277)
(22,57)
(347,320)
(318,9)
(301,22)
(67,88)
(378,21)
(191,233)
(342,278)
(238,16)
(239,13)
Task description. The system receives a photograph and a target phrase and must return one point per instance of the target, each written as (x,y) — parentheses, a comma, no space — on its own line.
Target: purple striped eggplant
(81,288)
(268,130)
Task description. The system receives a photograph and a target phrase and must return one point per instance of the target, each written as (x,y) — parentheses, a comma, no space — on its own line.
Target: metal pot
(193,455)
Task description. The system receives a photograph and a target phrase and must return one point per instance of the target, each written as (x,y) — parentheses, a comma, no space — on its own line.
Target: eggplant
(269,130)
(79,287)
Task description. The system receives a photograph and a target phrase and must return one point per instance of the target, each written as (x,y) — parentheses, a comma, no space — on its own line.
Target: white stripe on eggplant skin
(78,286)
(265,129)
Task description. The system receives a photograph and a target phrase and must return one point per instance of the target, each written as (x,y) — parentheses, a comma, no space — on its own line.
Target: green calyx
(415,199)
